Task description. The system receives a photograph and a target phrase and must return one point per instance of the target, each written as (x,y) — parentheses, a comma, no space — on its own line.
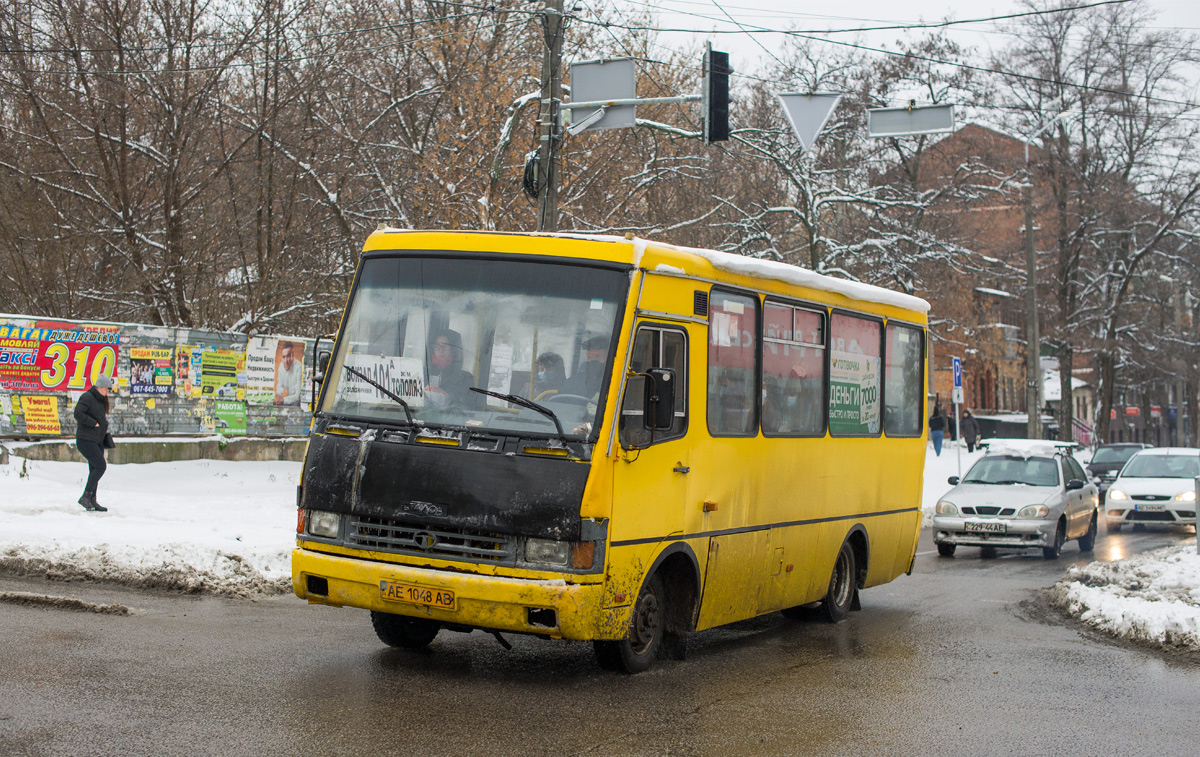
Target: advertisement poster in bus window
(260,370)
(41,415)
(402,376)
(230,416)
(54,356)
(218,373)
(150,371)
(854,377)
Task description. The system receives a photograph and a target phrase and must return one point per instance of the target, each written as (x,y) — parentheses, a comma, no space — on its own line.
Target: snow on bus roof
(772,269)
(746,266)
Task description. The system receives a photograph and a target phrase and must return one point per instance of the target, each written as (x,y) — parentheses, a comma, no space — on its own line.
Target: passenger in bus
(589,375)
(449,385)
(551,374)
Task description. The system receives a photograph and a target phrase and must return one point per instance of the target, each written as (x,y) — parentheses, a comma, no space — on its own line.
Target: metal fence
(169,381)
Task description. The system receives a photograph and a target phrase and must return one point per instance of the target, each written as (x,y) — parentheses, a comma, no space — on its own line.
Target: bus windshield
(430,329)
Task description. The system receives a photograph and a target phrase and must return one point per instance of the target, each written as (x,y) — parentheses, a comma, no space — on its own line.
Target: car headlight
(321,523)
(1187,496)
(547,551)
(946,508)
(1033,511)
(1116,495)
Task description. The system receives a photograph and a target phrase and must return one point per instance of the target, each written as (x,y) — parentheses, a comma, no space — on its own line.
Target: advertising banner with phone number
(53,356)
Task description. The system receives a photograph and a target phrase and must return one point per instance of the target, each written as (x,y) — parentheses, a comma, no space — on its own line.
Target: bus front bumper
(488,602)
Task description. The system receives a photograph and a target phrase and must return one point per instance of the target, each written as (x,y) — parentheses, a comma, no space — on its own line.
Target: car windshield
(1162,466)
(1008,470)
(1114,454)
(431,329)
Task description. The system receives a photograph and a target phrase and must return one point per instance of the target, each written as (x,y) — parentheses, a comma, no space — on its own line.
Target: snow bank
(217,527)
(1154,596)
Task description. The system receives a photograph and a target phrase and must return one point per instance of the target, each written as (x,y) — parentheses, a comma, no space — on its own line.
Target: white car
(1020,494)
(1156,486)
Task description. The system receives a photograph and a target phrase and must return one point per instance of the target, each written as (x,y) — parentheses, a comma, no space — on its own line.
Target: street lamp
(1033,370)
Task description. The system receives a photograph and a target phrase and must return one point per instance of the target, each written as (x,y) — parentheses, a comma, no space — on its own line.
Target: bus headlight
(1116,495)
(547,551)
(946,508)
(1187,496)
(1033,511)
(321,523)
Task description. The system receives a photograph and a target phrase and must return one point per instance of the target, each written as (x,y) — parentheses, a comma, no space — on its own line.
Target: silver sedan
(1019,495)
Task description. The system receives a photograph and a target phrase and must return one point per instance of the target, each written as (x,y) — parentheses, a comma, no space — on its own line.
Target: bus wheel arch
(861,543)
(847,576)
(663,613)
(679,572)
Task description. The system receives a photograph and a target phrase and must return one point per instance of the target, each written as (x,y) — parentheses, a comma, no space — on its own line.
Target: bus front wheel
(842,586)
(636,652)
(403,631)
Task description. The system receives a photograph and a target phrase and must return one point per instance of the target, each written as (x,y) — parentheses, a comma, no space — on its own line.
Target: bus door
(651,484)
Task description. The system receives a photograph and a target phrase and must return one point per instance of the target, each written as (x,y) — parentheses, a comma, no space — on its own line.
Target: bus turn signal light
(582,554)
(710,507)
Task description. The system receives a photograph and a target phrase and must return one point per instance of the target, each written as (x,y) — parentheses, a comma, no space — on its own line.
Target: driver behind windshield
(449,385)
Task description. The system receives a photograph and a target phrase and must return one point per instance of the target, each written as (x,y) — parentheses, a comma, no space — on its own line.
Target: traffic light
(716,96)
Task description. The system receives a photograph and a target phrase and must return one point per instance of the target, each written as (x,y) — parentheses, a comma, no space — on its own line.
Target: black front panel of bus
(418,484)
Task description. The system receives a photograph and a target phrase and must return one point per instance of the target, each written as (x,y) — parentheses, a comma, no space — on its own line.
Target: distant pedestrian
(969,428)
(92,437)
(937,428)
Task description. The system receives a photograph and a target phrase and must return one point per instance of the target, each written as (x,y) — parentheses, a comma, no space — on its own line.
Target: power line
(745,28)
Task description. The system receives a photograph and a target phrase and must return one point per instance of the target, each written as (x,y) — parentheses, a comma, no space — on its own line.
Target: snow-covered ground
(228,528)
(198,525)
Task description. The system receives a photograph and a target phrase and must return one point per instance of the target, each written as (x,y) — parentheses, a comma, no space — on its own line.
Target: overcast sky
(746,49)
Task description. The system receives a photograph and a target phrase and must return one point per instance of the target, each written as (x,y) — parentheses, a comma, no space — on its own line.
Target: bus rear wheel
(636,652)
(403,631)
(840,596)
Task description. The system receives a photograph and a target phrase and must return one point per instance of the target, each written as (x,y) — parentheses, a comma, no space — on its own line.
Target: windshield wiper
(1010,482)
(521,401)
(399,400)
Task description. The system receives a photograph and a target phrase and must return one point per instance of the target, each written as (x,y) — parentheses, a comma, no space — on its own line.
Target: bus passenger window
(654,347)
(732,352)
(902,385)
(793,380)
(854,347)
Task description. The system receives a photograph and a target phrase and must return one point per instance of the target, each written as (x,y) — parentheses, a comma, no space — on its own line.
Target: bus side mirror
(659,398)
(322,366)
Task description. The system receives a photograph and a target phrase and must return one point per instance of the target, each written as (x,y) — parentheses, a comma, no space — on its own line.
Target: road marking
(926,552)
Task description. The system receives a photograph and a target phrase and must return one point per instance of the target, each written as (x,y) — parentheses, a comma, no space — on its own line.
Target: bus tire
(647,626)
(403,631)
(843,584)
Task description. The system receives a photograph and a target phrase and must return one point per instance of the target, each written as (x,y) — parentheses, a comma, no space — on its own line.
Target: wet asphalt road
(962,657)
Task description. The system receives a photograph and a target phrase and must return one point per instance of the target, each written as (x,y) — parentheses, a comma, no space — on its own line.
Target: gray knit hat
(104,381)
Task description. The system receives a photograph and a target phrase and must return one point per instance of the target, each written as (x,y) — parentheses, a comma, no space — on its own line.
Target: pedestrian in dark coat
(91,437)
(969,427)
(937,428)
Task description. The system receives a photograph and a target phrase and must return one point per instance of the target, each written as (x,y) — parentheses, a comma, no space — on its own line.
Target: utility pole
(1033,367)
(553,29)
(1033,341)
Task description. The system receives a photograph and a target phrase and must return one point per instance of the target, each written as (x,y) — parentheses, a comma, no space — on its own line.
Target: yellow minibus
(607,439)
